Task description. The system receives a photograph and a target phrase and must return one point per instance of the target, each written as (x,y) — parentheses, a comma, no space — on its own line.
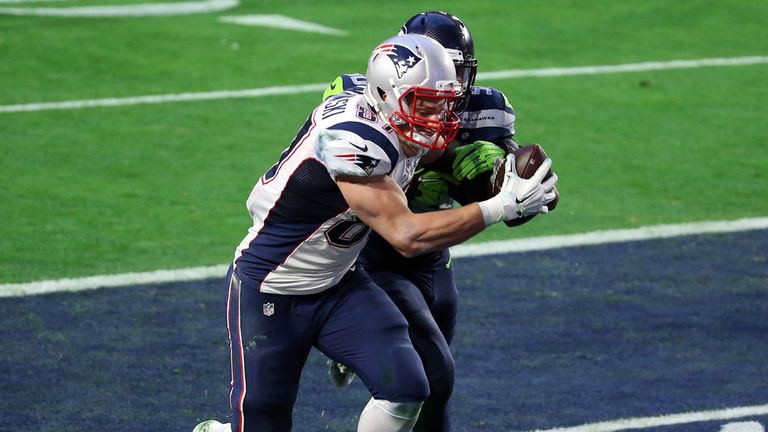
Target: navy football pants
(354,323)
(427,297)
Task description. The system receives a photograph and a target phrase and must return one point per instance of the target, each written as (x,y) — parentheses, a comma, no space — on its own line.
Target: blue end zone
(623,330)
(545,339)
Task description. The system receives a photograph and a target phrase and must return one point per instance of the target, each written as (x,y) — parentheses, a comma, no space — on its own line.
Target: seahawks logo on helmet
(402,57)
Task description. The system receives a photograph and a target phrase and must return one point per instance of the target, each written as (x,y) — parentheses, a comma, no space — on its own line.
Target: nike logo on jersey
(364,148)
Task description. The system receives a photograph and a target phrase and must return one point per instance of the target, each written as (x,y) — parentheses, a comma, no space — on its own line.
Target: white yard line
(131,10)
(608,236)
(29,1)
(468,250)
(665,420)
(281,22)
(308,88)
(631,67)
(157,99)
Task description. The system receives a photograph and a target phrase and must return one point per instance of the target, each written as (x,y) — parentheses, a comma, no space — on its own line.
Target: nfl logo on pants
(269,309)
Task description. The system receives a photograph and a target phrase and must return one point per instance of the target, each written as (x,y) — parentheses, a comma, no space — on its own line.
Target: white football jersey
(304,236)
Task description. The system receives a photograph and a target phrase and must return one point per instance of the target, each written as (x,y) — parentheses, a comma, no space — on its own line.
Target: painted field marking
(664,420)
(607,236)
(307,88)
(29,1)
(281,22)
(467,250)
(130,10)
(632,67)
(157,99)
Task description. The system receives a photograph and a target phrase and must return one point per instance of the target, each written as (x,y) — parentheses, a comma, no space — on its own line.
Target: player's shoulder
(487,117)
(345,82)
(487,98)
(349,111)
(352,139)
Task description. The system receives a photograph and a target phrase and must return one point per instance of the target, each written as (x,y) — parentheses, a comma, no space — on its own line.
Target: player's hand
(552,194)
(519,197)
(474,159)
(526,197)
(431,189)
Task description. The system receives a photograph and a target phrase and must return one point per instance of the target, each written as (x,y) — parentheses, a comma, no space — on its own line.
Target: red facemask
(432,122)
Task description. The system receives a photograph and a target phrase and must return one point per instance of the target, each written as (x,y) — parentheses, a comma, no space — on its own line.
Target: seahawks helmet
(412,85)
(452,34)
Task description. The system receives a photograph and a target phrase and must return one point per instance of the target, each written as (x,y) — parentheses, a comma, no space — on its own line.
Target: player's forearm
(419,233)
(382,205)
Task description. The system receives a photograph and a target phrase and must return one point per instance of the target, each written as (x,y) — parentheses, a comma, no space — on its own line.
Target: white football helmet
(412,85)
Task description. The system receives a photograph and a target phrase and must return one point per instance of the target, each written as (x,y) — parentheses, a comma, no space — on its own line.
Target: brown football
(527,160)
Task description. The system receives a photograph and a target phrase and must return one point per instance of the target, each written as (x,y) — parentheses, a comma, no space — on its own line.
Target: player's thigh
(406,295)
(436,284)
(269,345)
(368,333)
(445,304)
(426,335)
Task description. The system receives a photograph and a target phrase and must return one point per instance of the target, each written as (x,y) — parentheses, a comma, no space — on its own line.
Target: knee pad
(385,416)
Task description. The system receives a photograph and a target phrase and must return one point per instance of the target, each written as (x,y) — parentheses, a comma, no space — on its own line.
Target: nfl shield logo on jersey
(269,309)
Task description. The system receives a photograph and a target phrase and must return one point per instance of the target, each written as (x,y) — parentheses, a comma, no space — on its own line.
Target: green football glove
(474,159)
(431,189)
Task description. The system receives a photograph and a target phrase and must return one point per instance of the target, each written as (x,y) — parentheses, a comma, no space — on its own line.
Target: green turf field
(159,186)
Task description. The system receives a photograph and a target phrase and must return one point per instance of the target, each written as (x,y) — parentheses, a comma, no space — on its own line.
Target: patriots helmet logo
(402,57)
(365,162)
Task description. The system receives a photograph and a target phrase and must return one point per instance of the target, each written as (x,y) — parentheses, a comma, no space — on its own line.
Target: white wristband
(492,210)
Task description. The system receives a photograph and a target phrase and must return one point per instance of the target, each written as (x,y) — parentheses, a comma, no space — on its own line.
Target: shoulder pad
(344,82)
(485,98)
(488,116)
(356,149)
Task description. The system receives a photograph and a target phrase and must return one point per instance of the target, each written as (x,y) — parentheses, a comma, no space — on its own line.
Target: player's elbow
(407,233)
(407,244)
(409,250)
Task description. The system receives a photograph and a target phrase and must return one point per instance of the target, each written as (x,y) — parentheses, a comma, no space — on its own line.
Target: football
(527,160)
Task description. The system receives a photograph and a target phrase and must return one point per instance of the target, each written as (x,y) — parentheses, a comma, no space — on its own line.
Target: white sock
(213,426)
(386,416)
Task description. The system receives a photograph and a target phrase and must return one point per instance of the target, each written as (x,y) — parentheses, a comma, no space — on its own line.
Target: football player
(294,282)
(423,287)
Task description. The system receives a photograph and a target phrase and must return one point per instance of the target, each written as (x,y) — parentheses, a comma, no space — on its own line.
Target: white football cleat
(341,375)
(212,426)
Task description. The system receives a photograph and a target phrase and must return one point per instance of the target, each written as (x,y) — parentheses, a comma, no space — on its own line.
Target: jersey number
(346,233)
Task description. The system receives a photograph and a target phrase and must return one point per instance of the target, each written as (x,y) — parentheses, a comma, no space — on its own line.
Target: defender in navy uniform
(295,283)
(423,287)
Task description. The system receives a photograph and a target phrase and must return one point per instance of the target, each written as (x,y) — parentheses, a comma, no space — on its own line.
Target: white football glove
(520,197)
